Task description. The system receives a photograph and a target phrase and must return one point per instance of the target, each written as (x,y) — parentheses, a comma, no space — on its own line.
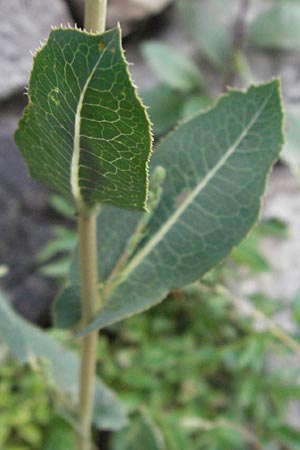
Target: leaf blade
(216,167)
(85,132)
(172,67)
(190,247)
(215,42)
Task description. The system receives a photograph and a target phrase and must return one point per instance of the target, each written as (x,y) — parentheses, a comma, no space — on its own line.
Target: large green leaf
(216,167)
(278,26)
(28,343)
(85,133)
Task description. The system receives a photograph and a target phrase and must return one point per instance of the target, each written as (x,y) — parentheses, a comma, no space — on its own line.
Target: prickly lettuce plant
(86,134)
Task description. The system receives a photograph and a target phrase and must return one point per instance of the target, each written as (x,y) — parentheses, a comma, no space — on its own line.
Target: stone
(24,25)
(25,225)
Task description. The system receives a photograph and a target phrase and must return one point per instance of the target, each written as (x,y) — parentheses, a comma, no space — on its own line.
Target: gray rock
(25,222)
(24,24)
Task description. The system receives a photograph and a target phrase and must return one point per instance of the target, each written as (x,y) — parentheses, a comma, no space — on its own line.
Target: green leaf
(171,67)
(62,206)
(59,437)
(64,240)
(205,22)
(142,434)
(216,167)
(56,269)
(164,107)
(249,254)
(85,132)
(273,227)
(67,307)
(277,27)
(194,104)
(28,344)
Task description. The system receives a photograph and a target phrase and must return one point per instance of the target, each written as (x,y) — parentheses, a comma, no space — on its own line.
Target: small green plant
(87,135)
(201,370)
(28,421)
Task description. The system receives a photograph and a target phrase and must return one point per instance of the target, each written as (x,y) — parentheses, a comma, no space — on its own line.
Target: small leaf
(29,343)
(195,104)
(56,269)
(164,107)
(85,132)
(142,434)
(62,206)
(171,67)
(64,240)
(273,227)
(249,254)
(205,21)
(216,167)
(277,27)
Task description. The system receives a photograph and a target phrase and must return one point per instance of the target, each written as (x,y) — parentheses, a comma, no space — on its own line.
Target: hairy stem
(95,16)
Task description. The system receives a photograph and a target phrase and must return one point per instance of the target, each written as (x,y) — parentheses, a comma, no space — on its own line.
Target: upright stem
(95,16)
(239,31)
(91,303)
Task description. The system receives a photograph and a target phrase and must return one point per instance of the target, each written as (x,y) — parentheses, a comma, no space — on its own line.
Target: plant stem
(95,15)
(94,21)
(239,31)
(87,232)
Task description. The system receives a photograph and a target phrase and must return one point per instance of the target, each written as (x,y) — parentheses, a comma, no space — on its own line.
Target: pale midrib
(151,244)
(74,177)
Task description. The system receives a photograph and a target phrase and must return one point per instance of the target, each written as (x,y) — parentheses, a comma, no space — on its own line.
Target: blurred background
(211,368)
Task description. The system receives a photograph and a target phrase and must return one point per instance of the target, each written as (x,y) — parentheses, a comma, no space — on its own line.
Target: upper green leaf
(28,343)
(85,132)
(216,166)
